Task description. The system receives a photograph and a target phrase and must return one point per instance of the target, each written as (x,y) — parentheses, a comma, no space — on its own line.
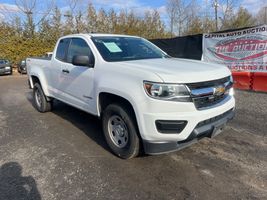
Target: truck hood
(175,70)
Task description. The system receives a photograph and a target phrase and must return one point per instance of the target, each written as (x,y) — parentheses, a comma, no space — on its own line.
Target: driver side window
(78,47)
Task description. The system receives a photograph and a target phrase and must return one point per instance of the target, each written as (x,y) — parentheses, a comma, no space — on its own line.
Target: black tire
(40,100)
(132,146)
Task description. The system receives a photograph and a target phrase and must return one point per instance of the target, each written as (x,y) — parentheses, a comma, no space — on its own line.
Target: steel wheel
(38,98)
(40,101)
(118,131)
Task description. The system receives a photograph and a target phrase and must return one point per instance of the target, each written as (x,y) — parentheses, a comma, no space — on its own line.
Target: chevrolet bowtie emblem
(218,91)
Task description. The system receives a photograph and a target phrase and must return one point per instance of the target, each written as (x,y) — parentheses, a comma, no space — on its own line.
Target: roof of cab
(100,35)
(108,35)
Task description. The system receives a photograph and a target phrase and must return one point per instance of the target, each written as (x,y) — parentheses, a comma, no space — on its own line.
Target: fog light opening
(170,127)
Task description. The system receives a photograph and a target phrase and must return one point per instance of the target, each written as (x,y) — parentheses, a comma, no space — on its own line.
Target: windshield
(114,49)
(3,62)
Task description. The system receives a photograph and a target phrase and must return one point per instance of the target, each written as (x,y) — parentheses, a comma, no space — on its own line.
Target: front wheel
(39,99)
(120,131)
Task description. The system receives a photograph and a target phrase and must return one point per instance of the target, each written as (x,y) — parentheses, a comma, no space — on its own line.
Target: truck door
(54,70)
(77,82)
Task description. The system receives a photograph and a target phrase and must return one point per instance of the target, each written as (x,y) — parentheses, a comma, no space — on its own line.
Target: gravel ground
(62,155)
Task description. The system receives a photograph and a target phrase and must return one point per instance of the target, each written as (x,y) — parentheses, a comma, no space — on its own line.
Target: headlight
(7,67)
(169,92)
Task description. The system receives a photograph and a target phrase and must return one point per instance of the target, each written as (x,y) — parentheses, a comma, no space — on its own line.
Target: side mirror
(83,61)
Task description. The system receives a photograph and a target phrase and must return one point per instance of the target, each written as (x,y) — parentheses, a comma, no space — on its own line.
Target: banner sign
(242,50)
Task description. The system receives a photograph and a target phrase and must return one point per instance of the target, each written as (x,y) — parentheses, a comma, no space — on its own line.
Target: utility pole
(265,15)
(216,5)
(30,23)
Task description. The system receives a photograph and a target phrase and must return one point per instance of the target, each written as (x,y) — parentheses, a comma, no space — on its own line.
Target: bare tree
(31,9)
(243,18)
(178,13)
(262,16)
(75,16)
(171,9)
(227,8)
(216,5)
(91,19)
(192,16)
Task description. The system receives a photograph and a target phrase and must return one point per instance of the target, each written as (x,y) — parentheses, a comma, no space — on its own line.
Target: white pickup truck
(146,99)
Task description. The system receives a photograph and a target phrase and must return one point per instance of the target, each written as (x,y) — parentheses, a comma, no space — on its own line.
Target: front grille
(204,99)
(213,119)
(206,84)
(203,102)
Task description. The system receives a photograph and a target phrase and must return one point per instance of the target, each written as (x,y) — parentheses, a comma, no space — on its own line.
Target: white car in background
(48,54)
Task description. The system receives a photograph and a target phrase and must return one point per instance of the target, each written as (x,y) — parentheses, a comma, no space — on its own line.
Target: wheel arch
(106,98)
(35,79)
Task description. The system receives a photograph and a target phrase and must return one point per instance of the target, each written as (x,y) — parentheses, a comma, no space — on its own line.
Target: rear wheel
(120,131)
(39,99)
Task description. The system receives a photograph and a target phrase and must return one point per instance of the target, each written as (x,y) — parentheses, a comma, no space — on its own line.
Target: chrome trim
(209,91)
(228,85)
(202,92)
(204,97)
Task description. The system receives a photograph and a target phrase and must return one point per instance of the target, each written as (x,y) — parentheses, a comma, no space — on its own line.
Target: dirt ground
(63,155)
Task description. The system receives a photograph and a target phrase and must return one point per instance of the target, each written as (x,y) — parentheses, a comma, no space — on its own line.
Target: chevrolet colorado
(146,99)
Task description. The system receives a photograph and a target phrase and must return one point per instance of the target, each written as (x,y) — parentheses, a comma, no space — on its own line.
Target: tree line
(188,17)
(38,30)
(20,39)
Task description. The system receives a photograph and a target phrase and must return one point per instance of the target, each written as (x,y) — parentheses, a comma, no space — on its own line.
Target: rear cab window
(62,49)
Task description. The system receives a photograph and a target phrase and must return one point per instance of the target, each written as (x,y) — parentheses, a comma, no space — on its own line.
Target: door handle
(65,71)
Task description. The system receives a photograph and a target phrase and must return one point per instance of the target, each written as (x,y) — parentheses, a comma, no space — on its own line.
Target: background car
(22,67)
(5,67)
(48,54)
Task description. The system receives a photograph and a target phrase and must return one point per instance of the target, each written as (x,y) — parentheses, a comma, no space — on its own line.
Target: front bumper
(151,111)
(5,71)
(23,71)
(207,128)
